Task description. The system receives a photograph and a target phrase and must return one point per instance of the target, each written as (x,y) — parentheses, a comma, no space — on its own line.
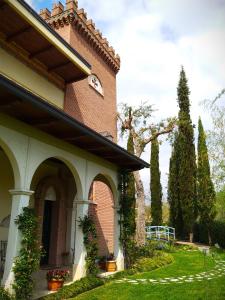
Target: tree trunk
(191,237)
(209,237)
(140,219)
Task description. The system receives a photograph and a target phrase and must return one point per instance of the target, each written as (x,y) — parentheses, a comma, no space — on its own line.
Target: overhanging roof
(22,26)
(32,110)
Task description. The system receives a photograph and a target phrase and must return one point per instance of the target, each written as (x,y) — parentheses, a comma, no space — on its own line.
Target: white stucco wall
(27,148)
(23,75)
(6,183)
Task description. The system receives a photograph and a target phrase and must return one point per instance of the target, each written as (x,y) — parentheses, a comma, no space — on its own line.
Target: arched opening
(102,211)
(55,190)
(6,183)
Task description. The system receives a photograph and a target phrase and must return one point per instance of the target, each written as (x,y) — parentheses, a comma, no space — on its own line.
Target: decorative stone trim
(21,192)
(95,83)
(86,28)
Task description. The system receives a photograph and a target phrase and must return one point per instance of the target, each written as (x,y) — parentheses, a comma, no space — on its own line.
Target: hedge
(217,233)
(74,289)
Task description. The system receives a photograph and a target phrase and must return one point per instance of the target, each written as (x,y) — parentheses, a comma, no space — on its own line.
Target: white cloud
(154,38)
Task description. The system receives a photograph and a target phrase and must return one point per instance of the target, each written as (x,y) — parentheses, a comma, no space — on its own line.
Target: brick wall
(102,212)
(82,101)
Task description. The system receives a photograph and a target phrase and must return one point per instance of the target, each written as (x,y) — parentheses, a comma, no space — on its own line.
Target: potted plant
(56,279)
(102,262)
(111,263)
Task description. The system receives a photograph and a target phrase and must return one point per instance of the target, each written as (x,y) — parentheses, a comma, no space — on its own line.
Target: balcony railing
(160,233)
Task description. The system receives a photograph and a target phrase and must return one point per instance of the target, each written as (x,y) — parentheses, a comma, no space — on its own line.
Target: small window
(95,83)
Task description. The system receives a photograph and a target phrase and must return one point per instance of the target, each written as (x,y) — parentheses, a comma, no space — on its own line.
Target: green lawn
(186,263)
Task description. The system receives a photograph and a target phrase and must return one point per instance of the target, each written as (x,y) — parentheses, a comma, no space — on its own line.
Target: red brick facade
(82,101)
(87,105)
(102,212)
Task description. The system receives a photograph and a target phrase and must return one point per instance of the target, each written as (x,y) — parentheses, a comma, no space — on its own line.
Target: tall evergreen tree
(155,185)
(206,192)
(184,155)
(127,210)
(131,191)
(175,218)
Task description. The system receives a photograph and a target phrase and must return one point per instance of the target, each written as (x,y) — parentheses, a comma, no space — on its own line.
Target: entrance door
(46,231)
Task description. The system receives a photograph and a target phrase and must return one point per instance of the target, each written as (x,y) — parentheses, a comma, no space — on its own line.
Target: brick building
(92,101)
(58,151)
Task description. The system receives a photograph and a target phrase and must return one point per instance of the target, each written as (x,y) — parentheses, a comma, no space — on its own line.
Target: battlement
(61,16)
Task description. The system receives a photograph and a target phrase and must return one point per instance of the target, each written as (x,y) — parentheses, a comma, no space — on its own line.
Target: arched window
(95,83)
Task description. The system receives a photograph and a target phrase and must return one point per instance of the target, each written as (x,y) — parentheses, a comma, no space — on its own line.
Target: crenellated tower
(93,100)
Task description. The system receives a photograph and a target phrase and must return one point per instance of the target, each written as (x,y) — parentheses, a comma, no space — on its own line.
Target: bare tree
(136,121)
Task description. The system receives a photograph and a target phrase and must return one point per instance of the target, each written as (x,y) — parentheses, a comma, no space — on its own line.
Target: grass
(186,263)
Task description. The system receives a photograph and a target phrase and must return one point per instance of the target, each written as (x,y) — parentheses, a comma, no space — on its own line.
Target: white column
(118,251)
(20,199)
(81,210)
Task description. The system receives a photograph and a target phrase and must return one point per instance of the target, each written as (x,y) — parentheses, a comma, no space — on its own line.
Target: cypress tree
(205,187)
(127,210)
(155,185)
(185,170)
(131,191)
(175,219)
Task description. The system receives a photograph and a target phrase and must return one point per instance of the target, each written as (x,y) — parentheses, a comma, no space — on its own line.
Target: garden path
(216,272)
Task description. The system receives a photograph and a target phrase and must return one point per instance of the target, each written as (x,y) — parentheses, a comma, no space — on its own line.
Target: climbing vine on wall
(29,255)
(127,217)
(90,242)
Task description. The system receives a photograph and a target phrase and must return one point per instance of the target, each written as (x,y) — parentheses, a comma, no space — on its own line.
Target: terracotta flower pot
(111,266)
(55,285)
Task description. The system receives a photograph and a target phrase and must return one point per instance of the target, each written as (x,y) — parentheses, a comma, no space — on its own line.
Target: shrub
(147,264)
(217,233)
(4,295)
(186,247)
(76,288)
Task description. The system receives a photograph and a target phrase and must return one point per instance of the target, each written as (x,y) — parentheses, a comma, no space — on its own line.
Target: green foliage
(155,185)
(216,138)
(220,204)
(182,179)
(147,264)
(176,218)
(217,232)
(127,216)
(205,190)
(29,255)
(76,288)
(90,242)
(127,210)
(185,264)
(4,295)
(129,206)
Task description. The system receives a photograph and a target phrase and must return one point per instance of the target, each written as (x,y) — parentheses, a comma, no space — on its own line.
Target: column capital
(21,192)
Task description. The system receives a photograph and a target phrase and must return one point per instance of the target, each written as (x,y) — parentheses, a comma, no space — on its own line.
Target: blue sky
(154,38)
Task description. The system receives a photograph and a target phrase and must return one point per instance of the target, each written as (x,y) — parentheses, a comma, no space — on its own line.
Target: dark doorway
(46,231)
